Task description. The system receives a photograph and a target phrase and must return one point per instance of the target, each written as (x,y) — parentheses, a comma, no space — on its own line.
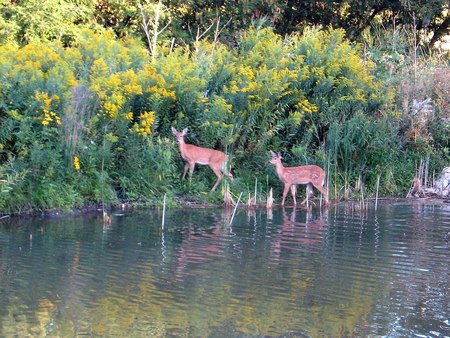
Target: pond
(280,273)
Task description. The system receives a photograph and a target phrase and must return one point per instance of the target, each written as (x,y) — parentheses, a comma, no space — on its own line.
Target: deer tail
(224,169)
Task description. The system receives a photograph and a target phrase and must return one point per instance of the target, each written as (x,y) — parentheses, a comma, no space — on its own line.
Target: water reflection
(193,249)
(288,272)
(297,235)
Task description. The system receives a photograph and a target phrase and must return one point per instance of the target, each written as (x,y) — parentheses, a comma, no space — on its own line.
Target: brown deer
(305,174)
(191,154)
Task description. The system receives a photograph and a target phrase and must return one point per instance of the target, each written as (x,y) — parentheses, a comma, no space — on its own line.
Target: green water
(283,273)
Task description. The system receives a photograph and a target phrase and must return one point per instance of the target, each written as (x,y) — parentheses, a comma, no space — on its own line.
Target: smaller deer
(305,174)
(191,154)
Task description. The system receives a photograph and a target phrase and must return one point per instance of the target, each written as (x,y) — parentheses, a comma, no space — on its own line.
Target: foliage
(91,122)
(22,22)
(34,21)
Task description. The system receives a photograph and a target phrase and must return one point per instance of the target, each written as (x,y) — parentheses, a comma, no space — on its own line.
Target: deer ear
(279,155)
(272,153)
(185,131)
(174,131)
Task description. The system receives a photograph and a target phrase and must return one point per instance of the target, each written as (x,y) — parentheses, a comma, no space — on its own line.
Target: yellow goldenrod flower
(76,163)
(143,128)
(129,116)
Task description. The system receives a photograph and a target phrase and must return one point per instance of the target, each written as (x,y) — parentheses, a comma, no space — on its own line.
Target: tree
(355,16)
(152,16)
(37,20)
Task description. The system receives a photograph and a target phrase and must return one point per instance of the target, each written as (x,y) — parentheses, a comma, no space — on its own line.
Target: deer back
(191,153)
(302,175)
(201,155)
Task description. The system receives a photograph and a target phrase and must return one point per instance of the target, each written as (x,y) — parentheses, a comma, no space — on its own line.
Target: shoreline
(95,208)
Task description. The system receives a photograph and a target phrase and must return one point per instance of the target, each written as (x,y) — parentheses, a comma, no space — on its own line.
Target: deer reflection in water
(202,246)
(295,235)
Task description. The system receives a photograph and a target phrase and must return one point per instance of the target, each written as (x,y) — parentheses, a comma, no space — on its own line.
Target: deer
(191,154)
(311,175)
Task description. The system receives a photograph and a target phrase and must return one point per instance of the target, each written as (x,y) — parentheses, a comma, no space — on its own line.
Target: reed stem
(164,213)
(235,207)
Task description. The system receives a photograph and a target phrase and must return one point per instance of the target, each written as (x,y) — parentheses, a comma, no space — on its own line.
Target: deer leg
(219,178)
(293,192)
(309,193)
(186,167)
(191,170)
(285,191)
(304,201)
(323,191)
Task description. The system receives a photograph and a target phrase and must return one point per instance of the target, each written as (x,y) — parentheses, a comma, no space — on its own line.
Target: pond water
(283,273)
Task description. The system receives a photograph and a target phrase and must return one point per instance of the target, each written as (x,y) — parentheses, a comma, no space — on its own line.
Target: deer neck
(280,169)
(183,148)
(182,145)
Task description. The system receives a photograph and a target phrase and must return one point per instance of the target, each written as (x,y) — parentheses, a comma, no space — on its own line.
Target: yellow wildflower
(76,163)
(129,116)
(144,127)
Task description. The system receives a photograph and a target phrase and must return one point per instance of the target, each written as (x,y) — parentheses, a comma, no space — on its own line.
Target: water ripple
(290,273)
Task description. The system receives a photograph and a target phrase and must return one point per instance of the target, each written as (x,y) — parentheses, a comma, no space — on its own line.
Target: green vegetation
(86,111)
